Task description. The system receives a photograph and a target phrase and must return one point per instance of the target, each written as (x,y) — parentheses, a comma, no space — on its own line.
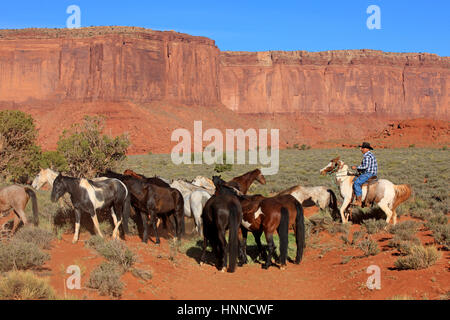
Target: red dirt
(319,276)
(150,125)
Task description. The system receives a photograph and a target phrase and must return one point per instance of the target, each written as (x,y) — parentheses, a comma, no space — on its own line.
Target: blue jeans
(359,182)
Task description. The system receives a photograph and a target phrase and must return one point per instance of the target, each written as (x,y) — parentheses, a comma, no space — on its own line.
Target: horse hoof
(223,269)
(201,263)
(282,267)
(74,241)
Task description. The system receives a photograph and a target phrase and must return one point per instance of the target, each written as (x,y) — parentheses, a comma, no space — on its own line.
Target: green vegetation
(21,255)
(114,251)
(20,285)
(87,151)
(106,279)
(419,257)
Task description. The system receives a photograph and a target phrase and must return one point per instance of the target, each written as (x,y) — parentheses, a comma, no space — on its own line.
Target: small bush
(19,285)
(403,245)
(21,255)
(41,238)
(106,279)
(406,226)
(369,247)
(87,151)
(373,226)
(419,257)
(114,251)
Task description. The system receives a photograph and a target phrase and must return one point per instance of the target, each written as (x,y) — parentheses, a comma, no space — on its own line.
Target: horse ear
(336,159)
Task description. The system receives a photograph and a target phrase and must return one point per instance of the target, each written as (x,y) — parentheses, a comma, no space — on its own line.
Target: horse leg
(144,225)
(116,223)
(22,216)
(16,222)
(205,244)
(383,206)
(261,252)
(97,226)
(77,225)
(222,250)
(271,250)
(243,251)
(344,208)
(153,218)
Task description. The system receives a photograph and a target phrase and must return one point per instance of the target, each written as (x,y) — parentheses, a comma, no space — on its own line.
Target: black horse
(222,212)
(88,196)
(149,199)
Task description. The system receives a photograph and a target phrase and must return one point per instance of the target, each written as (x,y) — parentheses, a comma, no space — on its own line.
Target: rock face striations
(141,65)
(336,82)
(108,64)
(148,83)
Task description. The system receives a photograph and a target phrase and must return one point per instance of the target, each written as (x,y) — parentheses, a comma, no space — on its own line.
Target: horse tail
(126,213)
(283,232)
(179,212)
(32,195)
(299,231)
(233,241)
(333,204)
(402,193)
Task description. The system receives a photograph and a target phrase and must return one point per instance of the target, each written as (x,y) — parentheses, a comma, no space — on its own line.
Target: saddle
(370,192)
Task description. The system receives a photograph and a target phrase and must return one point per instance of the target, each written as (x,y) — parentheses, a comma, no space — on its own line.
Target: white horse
(194,200)
(383,192)
(204,182)
(321,196)
(48,176)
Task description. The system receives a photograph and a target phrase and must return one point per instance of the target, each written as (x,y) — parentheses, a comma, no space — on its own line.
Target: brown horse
(268,215)
(154,180)
(243,182)
(149,199)
(16,198)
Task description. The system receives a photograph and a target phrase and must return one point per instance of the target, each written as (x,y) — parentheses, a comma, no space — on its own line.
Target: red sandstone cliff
(109,64)
(337,82)
(149,83)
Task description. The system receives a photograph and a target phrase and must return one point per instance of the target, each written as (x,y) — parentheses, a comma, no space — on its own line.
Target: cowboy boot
(358,201)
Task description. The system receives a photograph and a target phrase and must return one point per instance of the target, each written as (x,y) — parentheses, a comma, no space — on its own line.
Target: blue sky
(406,25)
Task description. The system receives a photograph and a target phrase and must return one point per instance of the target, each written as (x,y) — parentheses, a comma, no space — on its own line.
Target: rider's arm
(364,165)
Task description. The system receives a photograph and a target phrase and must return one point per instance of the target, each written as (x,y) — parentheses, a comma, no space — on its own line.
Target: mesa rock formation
(150,82)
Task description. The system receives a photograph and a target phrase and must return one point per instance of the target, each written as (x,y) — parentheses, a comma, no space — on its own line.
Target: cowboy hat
(366,145)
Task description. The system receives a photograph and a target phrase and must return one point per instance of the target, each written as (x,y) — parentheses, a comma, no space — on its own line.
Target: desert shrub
(441,233)
(403,242)
(142,274)
(19,153)
(41,238)
(87,151)
(21,255)
(54,160)
(106,279)
(20,285)
(406,226)
(373,226)
(114,251)
(419,257)
(369,247)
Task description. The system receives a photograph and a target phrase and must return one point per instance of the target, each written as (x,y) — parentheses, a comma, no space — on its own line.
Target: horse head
(59,188)
(331,166)
(260,177)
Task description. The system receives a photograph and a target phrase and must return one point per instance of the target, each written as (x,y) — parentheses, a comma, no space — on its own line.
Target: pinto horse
(16,198)
(383,192)
(222,212)
(88,196)
(243,182)
(278,213)
(149,199)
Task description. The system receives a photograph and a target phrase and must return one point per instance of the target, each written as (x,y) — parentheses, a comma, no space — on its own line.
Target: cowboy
(368,169)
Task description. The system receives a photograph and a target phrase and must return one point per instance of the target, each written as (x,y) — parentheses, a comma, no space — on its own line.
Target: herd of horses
(217,206)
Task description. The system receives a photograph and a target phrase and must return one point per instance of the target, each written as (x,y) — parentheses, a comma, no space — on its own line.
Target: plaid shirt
(369,164)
